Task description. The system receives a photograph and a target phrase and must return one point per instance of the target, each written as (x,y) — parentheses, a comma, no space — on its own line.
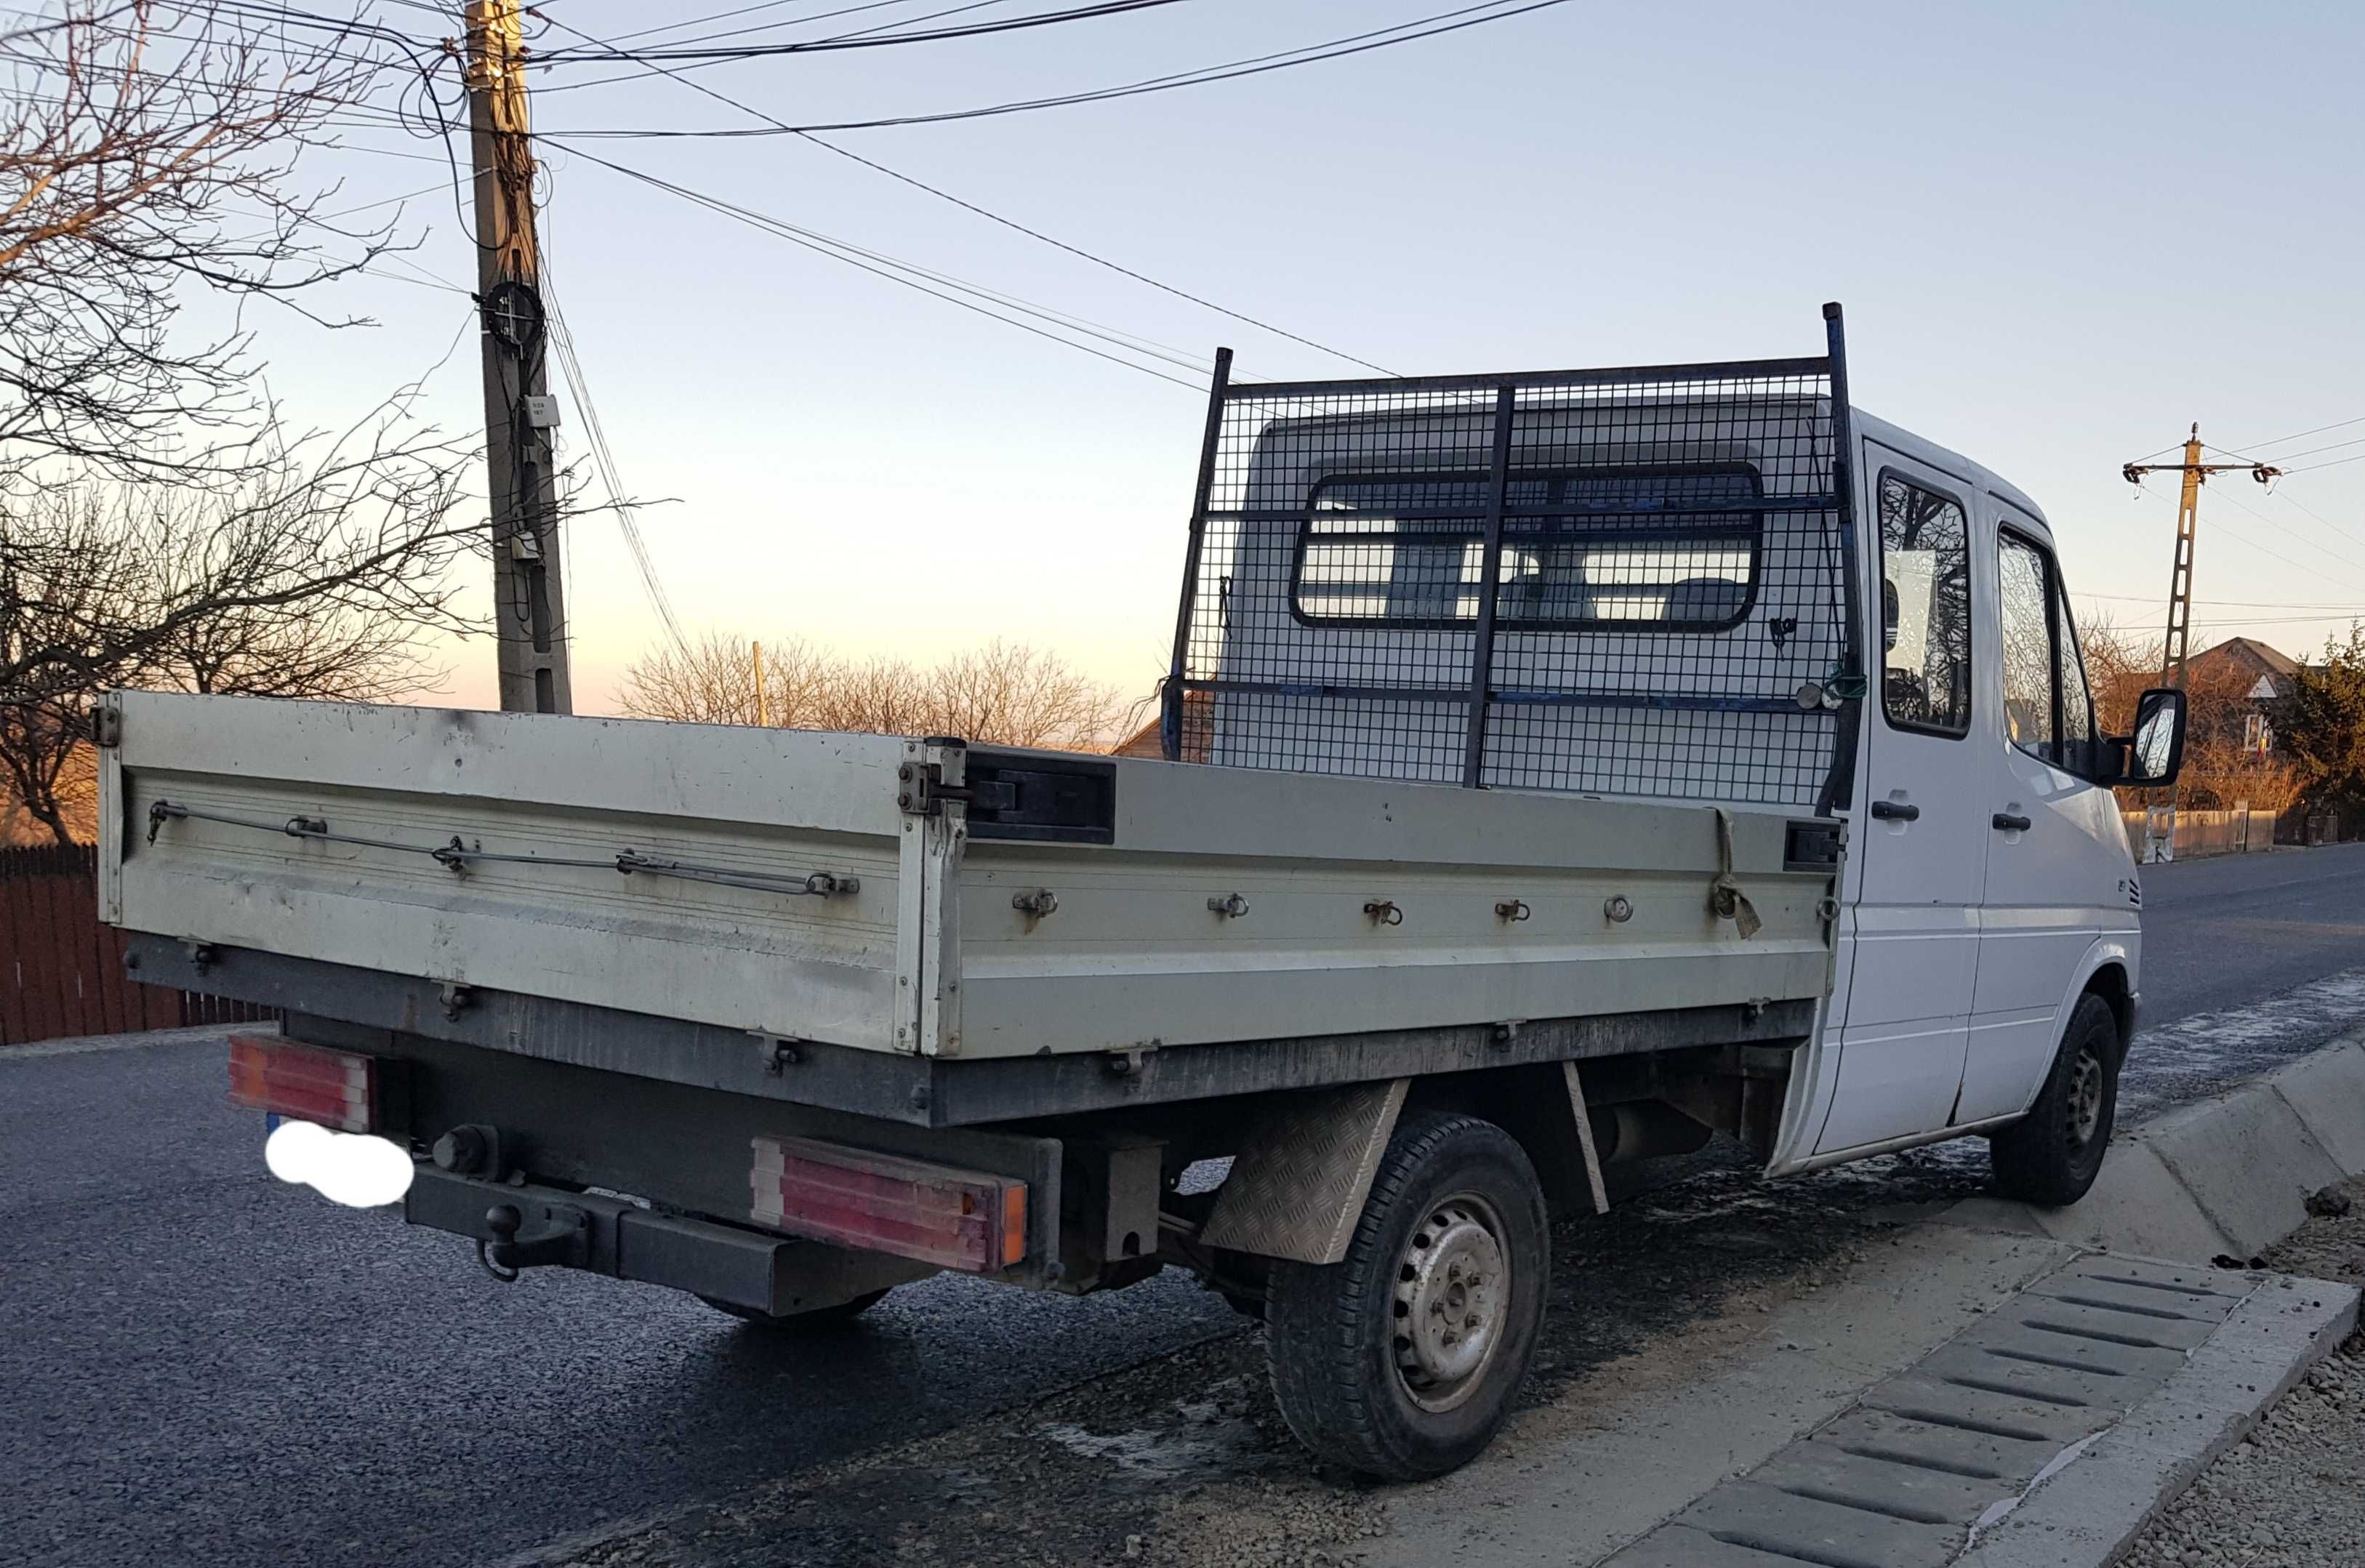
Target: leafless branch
(148,154)
(1003,693)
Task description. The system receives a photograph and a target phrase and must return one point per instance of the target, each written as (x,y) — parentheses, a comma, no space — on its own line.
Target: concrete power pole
(529,595)
(2188,516)
(2177,645)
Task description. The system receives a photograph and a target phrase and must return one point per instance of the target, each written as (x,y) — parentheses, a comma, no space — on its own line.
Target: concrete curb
(2227,1175)
(2086,1512)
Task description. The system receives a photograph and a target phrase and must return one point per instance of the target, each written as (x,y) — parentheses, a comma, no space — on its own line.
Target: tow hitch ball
(561,1235)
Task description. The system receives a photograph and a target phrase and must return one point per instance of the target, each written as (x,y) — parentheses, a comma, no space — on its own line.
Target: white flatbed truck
(1531,806)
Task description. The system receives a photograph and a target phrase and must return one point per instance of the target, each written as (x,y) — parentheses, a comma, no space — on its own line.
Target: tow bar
(561,1235)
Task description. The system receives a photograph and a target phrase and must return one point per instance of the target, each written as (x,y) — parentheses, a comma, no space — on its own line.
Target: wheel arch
(2109,982)
(2108,970)
(2108,973)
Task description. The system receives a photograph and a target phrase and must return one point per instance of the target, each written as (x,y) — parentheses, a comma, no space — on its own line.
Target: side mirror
(2153,755)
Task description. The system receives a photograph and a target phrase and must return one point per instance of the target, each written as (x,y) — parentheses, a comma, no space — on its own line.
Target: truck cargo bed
(926,898)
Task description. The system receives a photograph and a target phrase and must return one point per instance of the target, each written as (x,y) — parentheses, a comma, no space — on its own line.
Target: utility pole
(529,596)
(763,719)
(2188,515)
(2177,644)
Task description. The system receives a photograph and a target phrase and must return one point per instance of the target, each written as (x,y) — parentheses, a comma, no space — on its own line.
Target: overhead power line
(894,270)
(2313,451)
(2280,620)
(1010,223)
(898,22)
(1087,256)
(2226,603)
(2293,501)
(2335,462)
(2299,435)
(578,391)
(1337,49)
(869,38)
(751,10)
(2285,529)
(2249,544)
(2293,533)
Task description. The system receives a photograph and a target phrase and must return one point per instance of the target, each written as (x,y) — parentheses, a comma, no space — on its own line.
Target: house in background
(1198,730)
(2259,673)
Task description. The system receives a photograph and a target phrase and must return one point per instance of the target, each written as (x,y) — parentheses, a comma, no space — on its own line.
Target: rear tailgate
(311,829)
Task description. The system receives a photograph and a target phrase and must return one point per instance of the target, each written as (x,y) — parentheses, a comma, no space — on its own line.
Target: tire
(820,1320)
(1453,1198)
(2051,1156)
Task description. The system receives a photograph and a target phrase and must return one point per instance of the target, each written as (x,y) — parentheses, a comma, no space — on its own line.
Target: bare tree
(1004,693)
(160,523)
(148,154)
(45,763)
(712,681)
(1020,695)
(317,574)
(2223,766)
(112,579)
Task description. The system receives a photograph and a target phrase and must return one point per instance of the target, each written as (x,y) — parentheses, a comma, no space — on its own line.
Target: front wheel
(1401,1360)
(2051,1156)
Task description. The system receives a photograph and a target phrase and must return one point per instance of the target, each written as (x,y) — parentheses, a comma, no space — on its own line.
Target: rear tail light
(335,1089)
(955,1219)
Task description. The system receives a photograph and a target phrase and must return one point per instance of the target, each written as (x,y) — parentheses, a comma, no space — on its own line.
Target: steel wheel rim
(2085,1099)
(1451,1293)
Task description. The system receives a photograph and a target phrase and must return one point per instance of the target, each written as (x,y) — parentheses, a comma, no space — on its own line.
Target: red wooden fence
(61,972)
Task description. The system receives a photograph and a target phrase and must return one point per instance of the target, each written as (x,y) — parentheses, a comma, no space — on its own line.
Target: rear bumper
(745,1268)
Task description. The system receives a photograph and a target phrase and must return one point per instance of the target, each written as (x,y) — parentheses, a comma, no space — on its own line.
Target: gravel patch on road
(2292,1494)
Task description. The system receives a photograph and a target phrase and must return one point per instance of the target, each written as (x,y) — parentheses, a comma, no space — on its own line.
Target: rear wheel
(820,1320)
(2051,1156)
(1401,1360)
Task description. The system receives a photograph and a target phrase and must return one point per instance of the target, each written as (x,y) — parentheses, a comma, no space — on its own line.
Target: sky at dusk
(2062,233)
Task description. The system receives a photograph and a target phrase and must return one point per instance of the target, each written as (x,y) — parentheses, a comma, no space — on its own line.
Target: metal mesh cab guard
(1625,582)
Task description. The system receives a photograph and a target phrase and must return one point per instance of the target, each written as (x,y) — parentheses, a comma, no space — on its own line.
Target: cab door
(1920,832)
(2053,842)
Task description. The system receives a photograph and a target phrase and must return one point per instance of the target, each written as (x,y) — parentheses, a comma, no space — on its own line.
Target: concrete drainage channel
(1944,1455)
(2013,1388)
(1956,1443)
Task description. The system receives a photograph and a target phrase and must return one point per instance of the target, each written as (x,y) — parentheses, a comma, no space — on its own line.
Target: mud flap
(1298,1183)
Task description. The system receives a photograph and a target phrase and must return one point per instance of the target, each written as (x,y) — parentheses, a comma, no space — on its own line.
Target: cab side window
(2024,602)
(2047,710)
(2078,745)
(1925,609)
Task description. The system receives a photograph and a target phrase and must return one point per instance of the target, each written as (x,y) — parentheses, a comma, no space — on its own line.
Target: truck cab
(1725,585)
(1988,888)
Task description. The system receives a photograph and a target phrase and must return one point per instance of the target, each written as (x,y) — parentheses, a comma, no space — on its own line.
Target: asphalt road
(200,1365)
(2228,931)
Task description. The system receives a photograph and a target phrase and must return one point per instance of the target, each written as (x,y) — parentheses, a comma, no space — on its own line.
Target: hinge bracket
(921,792)
(921,789)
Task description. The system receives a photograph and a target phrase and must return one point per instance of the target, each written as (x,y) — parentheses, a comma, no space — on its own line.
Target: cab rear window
(1670,549)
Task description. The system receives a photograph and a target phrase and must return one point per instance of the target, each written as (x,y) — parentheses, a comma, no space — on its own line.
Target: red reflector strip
(335,1089)
(955,1219)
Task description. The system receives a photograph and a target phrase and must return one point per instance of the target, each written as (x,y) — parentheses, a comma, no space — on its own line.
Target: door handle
(2004,822)
(1895,812)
